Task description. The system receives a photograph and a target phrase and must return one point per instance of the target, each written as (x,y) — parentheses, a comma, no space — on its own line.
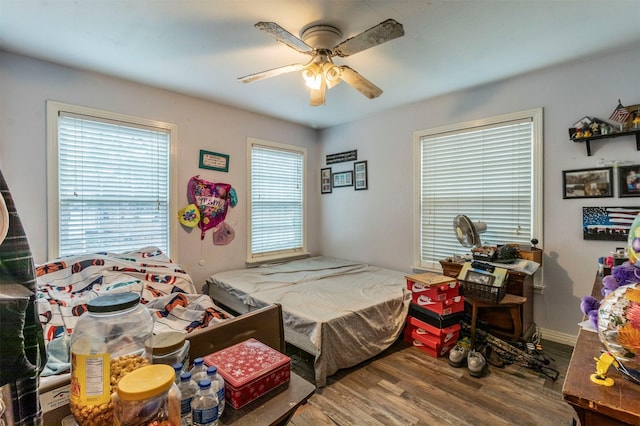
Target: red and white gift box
(250,369)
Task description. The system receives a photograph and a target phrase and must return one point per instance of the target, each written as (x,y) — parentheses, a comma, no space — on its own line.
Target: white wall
(26,84)
(374,225)
(377,225)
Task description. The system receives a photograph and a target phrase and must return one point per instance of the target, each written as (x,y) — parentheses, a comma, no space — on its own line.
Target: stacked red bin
(433,324)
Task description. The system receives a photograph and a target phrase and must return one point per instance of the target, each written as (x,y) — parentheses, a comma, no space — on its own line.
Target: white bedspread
(349,311)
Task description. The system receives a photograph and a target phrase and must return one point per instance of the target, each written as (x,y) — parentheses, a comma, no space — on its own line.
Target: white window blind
(277,201)
(485,172)
(113,185)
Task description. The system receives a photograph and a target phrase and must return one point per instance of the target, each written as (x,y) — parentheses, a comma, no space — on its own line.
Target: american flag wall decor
(608,223)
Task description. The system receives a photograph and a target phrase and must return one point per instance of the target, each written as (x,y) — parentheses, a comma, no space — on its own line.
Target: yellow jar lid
(146,382)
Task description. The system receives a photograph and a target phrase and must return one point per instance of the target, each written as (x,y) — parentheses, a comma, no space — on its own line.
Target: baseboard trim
(556,336)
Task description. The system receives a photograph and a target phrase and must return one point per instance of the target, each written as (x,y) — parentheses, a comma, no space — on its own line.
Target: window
(110,182)
(489,170)
(277,201)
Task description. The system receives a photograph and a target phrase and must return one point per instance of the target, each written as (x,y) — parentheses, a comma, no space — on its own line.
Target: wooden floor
(404,386)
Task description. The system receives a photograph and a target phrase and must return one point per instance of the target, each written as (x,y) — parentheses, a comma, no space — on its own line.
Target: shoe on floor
(476,363)
(458,356)
(493,358)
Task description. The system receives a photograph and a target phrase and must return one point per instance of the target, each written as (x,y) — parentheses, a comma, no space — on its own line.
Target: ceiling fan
(321,43)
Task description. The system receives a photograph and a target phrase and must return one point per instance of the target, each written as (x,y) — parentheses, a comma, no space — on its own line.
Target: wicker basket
(482,292)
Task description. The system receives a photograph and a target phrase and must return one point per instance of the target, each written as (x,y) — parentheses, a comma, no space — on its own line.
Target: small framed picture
(360,175)
(588,183)
(629,181)
(214,161)
(325,181)
(343,179)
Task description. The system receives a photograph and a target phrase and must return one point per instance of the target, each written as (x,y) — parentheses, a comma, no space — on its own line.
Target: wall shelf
(588,140)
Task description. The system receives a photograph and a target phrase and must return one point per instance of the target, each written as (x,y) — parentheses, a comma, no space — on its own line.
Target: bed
(340,311)
(65,285)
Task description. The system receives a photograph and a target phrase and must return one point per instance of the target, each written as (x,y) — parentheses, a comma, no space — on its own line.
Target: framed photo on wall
(629,181)
(360,175)
(325,180)
(343,179)
(588,183)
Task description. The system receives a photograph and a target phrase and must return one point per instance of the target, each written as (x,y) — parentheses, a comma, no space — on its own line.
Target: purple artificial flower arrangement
(623,274)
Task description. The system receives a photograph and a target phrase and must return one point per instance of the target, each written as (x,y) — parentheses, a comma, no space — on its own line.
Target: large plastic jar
(169,348)
(107,343)
(148,396)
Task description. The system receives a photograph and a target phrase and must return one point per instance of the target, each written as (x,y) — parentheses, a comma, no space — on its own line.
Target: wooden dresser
(520,284)
(595,404)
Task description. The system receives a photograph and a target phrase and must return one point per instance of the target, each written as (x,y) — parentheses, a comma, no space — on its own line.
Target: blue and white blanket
(65,285)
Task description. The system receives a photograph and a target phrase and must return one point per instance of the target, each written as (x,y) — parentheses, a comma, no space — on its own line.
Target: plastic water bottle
(204,407)
(212,374)
(199,370)
(188,389)
(177,367)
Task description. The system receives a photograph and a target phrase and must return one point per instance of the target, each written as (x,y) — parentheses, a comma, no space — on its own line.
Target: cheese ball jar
(147,396)
(169,348)
(107,342)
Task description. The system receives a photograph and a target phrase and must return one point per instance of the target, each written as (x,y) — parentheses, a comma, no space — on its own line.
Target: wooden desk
(271,409)
(595,404)
(518,284)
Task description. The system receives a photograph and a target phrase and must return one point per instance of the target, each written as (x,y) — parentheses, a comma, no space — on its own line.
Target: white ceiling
(201,47)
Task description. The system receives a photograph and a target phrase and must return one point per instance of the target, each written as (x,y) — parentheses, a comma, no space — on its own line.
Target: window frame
(54,108)
(536,116)
(259,258)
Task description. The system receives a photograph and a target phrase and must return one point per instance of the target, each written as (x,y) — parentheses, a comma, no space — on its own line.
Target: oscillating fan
(467,232)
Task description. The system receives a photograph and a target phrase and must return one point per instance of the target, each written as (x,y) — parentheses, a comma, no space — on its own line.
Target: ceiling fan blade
(284,36)
(270,73)
(318,95)
(378,34)
(360,83)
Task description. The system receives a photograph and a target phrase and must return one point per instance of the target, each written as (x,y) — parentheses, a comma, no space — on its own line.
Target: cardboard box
(441,307)
(435,292)
(250,369)
(445,335)
(434,318)
(428,344)
(428,279)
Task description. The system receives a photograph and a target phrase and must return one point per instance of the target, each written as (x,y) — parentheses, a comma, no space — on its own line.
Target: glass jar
(168,348)
(147,396)
(107,343)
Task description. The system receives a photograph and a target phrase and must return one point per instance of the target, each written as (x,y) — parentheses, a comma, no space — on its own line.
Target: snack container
(250,369)
(107,343)
(169,348)
(147,396)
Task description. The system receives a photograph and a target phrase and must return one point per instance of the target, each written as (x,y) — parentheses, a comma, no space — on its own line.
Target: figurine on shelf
(636,119)
(602,367)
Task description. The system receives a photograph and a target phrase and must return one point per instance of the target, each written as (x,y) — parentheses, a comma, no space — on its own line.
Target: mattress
(342,312)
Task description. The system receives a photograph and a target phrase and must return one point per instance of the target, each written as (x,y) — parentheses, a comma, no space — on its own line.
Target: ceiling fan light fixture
(312,75)
(322,42)
(331,74)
